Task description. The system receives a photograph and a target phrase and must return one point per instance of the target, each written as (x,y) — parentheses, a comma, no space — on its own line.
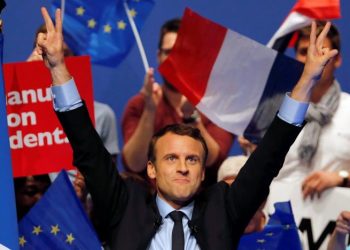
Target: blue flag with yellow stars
(100,28)
(58,221)
(280,233)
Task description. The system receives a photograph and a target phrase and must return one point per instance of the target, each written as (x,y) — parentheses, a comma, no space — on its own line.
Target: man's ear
(203,173)
(338,60)
(151,170)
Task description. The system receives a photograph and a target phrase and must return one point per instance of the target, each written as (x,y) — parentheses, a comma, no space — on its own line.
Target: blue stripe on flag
(284,74)
(8,220)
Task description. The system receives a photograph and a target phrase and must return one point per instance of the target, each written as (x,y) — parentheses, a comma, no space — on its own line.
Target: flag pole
(63,7)
(137,37)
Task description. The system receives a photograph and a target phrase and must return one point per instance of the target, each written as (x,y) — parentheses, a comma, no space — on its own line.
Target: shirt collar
(165,208)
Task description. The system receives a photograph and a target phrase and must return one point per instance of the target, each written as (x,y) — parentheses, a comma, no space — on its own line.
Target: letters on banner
(315,218)
(38,143)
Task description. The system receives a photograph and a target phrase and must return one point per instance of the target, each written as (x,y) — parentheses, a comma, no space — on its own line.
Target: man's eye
(193,159)
(303,52)
(171,158)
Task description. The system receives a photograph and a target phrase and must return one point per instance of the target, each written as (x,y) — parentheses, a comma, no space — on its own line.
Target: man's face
(28,191)
(178,169)
(301,53)
(167,45)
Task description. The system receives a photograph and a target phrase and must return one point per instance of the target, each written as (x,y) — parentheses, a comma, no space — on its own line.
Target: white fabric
(231,66)
(293,22)
(333,153)
(2,247)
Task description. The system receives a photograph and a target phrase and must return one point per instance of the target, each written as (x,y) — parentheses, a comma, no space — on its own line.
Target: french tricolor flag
(236,82)
(301,15)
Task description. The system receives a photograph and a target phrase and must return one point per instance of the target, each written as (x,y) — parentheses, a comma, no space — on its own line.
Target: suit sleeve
(107,189)
(251,186)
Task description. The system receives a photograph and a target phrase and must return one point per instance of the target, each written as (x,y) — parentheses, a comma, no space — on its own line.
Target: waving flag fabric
(228,76)
(58,221)
(301,15)
(8,219)
(280,233)
(101,28)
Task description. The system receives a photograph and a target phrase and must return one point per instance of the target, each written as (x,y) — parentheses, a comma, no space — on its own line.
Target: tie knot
(176,216)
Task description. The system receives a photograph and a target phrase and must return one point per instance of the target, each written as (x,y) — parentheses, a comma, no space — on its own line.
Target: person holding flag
(179,216)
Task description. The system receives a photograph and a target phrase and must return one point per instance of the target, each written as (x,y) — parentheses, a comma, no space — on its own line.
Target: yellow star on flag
(80,11)
(132,12)
(121,25)
(107,28)
(37,230)
(55,229)
(91,23)
(70,239)
(22,241)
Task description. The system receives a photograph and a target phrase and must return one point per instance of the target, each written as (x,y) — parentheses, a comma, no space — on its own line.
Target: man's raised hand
(50,46)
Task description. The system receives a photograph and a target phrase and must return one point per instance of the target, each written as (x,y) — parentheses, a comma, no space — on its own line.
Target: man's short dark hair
(172,25)
(177,129)
(333,35)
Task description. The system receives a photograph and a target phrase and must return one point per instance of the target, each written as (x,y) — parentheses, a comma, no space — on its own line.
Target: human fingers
(41,40)
(313,34)
(342,226)
(345,215)
(309,179)
(308,189)
(58,20)
(149,80)
(47,19)
(321,37)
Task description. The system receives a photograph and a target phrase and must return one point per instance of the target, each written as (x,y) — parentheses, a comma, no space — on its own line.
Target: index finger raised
(48,22)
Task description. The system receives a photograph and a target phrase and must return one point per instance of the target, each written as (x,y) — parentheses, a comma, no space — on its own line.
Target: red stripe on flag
(319,9)
(189,64)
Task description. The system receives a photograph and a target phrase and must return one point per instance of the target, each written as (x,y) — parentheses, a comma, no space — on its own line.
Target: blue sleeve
(66,96)
(293,111)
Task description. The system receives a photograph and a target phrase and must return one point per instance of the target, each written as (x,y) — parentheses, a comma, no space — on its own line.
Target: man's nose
(182,167)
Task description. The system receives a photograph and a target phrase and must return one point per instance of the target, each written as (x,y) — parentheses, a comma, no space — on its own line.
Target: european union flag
(8,219)
(280,233)
(101,28)
(58,221)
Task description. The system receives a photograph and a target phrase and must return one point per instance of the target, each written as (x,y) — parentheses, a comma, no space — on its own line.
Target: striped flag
(228,76)
(301,15)
(8,220)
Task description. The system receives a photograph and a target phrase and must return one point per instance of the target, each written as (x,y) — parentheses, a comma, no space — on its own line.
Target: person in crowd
(320,157)
(28,190)
(179,215)
(157,106)
(342,229)
(228,172)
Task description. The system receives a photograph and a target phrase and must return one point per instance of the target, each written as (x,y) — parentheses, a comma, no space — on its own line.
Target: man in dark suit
(178,216)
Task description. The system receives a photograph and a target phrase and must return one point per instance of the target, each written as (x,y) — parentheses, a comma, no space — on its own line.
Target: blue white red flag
(236,82)
(301,15)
